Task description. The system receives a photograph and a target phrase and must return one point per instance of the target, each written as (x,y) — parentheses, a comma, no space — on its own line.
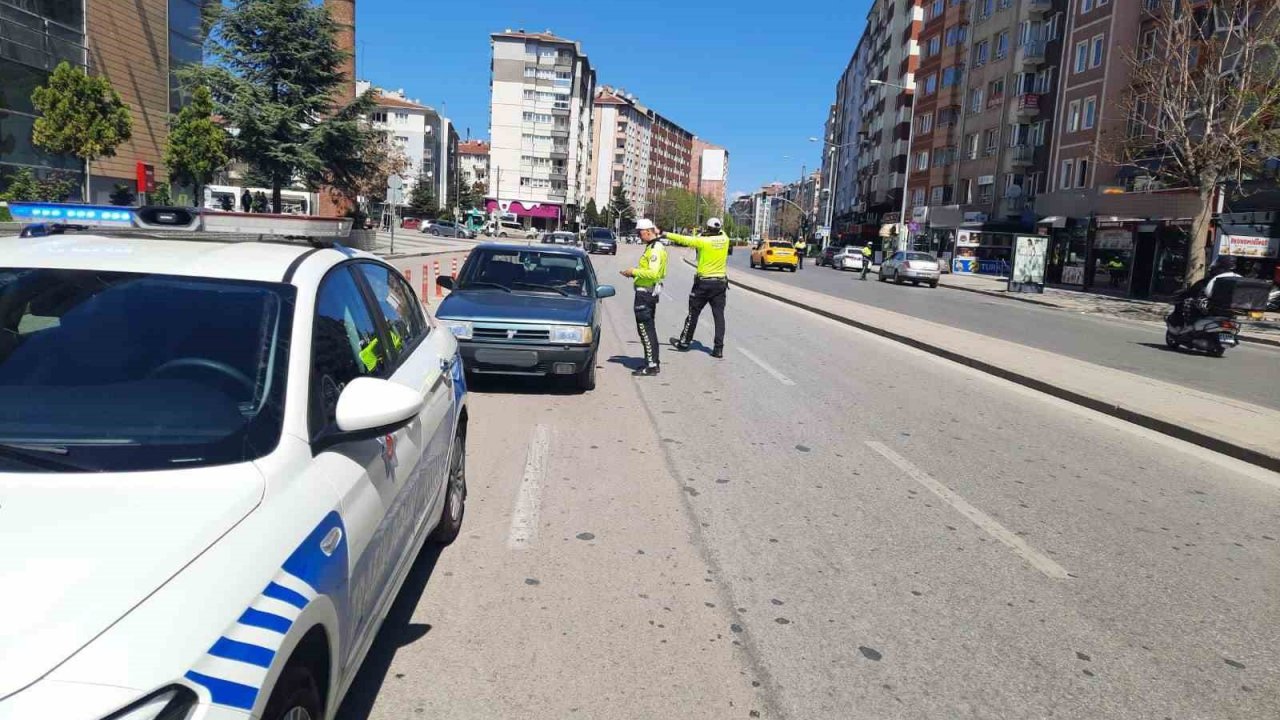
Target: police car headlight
(572,334)
(172,703)
(461,329)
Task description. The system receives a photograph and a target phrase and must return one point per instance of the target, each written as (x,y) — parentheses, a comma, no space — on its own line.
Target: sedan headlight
(461,329)
(571,334)
(173,703)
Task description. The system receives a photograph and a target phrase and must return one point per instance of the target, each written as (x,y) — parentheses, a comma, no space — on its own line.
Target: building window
(986,189)
(924,123)
(1068,173)
(966,190)
(917,196)
(989,141)
(1002,45)
(975,100)
(1082,173)
(995,92)
(1099,49)
(922,160)
(951,76)
(931,84)
(971,145)
(981,52)
(934,46)
(935,195)
(1086,6)
(956,35)
(1082,56)
(378,117)
(1073,116)
(1090,112)
(402,118)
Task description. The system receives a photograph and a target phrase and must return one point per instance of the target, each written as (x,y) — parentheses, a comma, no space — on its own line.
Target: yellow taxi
(775,253)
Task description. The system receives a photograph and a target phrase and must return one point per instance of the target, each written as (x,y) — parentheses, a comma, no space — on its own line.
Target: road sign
(395,190)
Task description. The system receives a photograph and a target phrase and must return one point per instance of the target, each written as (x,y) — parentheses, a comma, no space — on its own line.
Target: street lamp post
(832,149)
(906,176)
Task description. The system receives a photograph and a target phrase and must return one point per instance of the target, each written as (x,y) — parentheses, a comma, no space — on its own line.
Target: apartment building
(709,171)
(670,157)
(138,47)
(473,162)
(1093,210)
(622,143)
(540,128)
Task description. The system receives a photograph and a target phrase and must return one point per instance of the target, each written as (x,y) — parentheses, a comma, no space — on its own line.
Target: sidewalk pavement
(1239,429)
(1266,330)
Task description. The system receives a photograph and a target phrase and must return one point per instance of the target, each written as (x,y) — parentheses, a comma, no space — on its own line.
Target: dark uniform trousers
(646,306)
(706,291)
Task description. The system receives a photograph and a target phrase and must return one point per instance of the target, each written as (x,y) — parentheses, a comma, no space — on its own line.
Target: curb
(1216,444)
(1005,296)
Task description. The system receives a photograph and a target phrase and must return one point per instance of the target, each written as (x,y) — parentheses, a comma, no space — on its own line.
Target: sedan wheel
(455,496)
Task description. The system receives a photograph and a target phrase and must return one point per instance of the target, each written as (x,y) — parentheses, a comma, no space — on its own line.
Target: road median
(1231,427)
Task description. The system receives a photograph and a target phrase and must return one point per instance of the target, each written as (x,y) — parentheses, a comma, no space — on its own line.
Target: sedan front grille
(511,334)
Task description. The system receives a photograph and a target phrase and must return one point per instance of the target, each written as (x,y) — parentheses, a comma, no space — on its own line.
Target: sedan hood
(494,305)
(78,552)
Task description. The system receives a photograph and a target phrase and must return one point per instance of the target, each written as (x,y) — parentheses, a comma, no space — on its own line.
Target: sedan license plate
(508,358)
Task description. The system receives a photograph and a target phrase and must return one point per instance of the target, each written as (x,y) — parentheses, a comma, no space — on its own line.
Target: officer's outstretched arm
(686,240)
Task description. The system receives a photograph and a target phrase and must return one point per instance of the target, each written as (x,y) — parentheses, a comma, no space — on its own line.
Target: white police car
(218,461)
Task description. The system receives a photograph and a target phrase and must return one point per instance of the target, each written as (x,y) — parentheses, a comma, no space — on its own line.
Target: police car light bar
(179,219)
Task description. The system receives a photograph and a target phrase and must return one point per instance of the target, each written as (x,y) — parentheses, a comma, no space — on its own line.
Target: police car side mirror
(605,291)
(371,407)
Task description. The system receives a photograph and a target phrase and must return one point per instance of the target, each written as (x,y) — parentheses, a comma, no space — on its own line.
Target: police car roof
(548,249)
(260,261)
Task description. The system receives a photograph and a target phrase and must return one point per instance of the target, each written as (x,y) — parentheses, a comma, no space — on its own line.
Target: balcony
(1031,56)
(1038,8)
(1028,105)
(1022,155)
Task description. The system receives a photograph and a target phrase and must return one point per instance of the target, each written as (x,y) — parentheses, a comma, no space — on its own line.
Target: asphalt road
(784,534)
(1247,373)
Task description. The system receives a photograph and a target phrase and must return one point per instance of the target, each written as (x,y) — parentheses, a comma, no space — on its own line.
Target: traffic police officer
(866,260)
(709,285)
(801,248)
(648,277)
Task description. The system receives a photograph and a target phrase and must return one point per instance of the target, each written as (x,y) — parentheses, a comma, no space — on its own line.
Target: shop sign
(1073,275)
(967,238)
(964,265)
(1250,246)
(1030,255)
(920,214)
(1114,240)
(975,218)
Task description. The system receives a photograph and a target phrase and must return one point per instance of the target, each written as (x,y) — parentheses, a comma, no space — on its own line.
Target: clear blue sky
(755,77)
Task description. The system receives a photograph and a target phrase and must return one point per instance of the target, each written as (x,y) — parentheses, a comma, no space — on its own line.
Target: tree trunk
(275,196)
(87,197)
(1199,236)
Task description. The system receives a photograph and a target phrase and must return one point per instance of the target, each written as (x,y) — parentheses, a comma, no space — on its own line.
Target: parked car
(601,240)
(777,254)
(507,229)
(526,310)
(560,237)
(847,258)
(446,228)
(916,267)
(411,223)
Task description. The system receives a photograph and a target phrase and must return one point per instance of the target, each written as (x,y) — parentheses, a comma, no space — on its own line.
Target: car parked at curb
(526,310)
(913,267)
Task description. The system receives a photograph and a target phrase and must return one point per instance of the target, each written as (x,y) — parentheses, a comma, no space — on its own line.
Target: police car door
(416,456)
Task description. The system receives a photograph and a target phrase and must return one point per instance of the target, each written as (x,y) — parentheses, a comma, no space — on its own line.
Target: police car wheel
(455,496)
(296,696)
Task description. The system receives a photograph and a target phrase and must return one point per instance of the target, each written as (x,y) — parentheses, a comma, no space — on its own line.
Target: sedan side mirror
(369,408)
(605,291)
(445,281)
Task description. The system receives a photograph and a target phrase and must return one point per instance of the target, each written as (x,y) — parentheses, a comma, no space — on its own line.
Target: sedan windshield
(103,371)
(527,271)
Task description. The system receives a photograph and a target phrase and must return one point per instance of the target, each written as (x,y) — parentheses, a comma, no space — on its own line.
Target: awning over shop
(1056,221)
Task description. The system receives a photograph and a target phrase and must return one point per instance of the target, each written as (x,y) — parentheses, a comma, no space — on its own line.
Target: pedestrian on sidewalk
(648,275)
(710,283)
(246,201)
(866,260)
(801,248)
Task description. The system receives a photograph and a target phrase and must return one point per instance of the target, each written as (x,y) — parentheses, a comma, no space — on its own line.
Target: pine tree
(275,73)
(620,208)
(80,115)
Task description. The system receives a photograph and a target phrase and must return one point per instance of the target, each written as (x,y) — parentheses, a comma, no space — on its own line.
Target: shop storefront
(1253,239)
(983,252)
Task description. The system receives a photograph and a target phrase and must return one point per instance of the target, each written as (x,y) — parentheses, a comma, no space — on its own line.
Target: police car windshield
(124,371)
(527,271)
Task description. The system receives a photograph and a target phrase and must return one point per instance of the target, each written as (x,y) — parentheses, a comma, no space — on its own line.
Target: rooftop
(473,147)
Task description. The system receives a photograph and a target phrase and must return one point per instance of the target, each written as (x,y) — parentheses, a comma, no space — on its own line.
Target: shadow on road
(398,630)
(1160,346)
(630,363)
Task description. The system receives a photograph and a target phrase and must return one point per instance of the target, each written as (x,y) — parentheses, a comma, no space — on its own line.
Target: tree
(80,115)
(162,195)
(197,145)
(620,208)
(470,196)
(1203,103)
(422,200)
(275,73)
(591,214)
(122,194)
(23,187)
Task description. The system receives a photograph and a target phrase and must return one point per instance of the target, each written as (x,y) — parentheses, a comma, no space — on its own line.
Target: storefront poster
(1030,256)
(1114,239)
(966,238)
(1073,275)
(1249,246)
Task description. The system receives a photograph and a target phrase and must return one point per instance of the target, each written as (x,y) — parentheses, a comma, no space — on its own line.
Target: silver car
(847,258)
(916,267)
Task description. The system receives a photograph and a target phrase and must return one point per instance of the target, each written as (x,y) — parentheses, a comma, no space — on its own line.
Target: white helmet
(645,224)
(714,223)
